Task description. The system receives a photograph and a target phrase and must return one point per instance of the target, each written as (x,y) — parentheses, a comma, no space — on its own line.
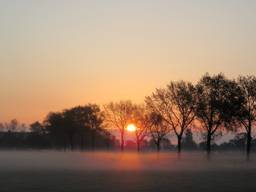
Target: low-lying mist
(127,161)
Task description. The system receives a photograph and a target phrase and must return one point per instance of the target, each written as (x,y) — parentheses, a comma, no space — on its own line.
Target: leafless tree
(175,104)
(142,121)
(118,115)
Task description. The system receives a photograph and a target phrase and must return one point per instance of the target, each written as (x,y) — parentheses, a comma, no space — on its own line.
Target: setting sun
(131,128)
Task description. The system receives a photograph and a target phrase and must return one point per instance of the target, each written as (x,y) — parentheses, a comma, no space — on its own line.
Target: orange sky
(58,54)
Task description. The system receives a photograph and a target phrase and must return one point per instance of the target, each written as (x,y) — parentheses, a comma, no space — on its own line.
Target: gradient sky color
(56,54)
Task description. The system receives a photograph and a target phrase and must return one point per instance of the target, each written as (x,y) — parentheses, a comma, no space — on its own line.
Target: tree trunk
(158,147)
(122,142)
(208,142)
(71,142)
(93,139)
(138,145)
(81,142)
(179,143)
(249,139)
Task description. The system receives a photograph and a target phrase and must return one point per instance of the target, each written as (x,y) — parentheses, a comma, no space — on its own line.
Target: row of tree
(213,105)
(76,128)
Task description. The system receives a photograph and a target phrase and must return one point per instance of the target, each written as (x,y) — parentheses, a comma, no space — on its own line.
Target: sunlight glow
(131,128)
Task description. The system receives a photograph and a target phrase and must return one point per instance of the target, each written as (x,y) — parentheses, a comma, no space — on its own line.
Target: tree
(118,115)
(38,137)
(158,129)
(142,122)
(94,122)
(12,126)
(188,141)
(55,126)
(175,104)
(37,128)
(76,122)
(247,116)
(218,101)
(2,127)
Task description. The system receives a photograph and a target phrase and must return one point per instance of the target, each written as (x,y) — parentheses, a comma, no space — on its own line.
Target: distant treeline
(64,130)
(212,107)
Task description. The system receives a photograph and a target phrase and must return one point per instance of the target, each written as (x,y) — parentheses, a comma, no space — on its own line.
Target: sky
(56,54)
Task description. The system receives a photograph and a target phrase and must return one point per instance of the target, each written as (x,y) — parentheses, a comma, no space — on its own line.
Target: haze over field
(58,54)
(101,171)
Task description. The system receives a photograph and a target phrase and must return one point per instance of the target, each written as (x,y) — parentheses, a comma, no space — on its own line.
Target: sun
(131,128)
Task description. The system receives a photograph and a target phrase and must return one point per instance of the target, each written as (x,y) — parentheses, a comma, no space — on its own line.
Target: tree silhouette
(218,100)
(55,125)
(158,129)
(75,122)
(38,137)
(175,104)
(142,121)
(12,126)
(188,141)
(247,116)
(94,121)
(118,115)
(37,128)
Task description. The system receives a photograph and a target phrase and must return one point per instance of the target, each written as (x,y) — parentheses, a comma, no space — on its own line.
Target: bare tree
(247,116)
(142,121)
(118,115)
(175,104)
